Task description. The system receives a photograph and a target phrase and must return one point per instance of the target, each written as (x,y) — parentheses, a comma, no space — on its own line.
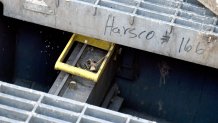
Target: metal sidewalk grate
(177,28)
(18,104)
(181,29)
(174,12)
(174,28)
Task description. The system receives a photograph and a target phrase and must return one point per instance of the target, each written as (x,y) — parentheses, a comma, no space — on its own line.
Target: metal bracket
(79,71)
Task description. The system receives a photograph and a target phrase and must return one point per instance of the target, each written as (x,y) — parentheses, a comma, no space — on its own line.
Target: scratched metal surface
(172,28)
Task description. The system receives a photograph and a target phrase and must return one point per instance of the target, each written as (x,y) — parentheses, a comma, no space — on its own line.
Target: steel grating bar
(7,120)
(53,109)
(172,28)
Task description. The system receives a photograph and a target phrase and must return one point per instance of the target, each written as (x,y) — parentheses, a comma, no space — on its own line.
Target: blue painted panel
(171,89)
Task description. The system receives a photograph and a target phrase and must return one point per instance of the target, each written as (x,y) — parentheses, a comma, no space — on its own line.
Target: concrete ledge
(211,4)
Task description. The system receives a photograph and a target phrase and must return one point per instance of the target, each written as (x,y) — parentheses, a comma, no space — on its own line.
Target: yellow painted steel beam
(79,71)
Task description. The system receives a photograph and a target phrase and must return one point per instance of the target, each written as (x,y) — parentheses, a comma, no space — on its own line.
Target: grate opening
(164,3)
(157,8)
(16,102)
(196,10)
(19,93)
(88,1)
(153,15)
(43,119)
(134,121)
(85,120)
(188,24)
(12,114)
(197,18)
(127,2)
(216,30)
(116,6)
(63,104)
(55,113)
(105,115)
(207,28)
